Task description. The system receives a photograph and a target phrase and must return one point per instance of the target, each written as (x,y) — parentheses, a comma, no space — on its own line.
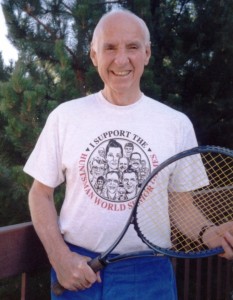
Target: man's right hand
(73,272)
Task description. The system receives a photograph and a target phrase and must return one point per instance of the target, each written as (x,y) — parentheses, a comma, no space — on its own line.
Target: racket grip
(57,288)
(96,264)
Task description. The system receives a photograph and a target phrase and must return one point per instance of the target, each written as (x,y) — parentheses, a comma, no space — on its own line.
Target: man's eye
(133,47)
(109,48)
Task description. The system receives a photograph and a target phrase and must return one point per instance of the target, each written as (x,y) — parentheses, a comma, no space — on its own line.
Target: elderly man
(120,50)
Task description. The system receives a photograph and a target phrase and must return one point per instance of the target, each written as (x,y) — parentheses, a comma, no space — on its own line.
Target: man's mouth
(121,74)
(135,165)
(112,188)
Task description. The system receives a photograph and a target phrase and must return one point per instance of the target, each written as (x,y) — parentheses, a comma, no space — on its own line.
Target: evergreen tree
(25,102)
(208,81)
(5,71)
(36,27)
(193,63)
(190,69)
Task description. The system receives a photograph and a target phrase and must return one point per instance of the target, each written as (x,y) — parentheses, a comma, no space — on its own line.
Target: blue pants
(144,278)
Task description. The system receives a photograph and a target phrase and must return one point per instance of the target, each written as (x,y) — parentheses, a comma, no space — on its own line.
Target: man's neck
(121,99)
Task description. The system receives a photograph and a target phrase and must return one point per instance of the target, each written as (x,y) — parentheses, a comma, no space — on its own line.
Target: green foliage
(191,69)
(5,71)
(193,51)
(34,89)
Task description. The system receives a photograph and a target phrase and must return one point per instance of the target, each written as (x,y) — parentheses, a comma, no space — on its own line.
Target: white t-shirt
(88,143)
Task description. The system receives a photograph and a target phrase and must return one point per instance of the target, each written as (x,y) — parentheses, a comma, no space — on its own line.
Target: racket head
(202,175)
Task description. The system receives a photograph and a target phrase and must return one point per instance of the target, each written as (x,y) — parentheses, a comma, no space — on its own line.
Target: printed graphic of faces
(117,168)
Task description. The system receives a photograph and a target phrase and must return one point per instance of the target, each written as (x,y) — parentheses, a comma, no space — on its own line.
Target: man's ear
(147,54)
(93,56)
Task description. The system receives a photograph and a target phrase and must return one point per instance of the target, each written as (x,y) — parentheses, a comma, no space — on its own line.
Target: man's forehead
(135,156)
(130,32)
(120,24)
(114,149)
(129,175)
(98,163)
(123,159)
(112,175)
(114,42)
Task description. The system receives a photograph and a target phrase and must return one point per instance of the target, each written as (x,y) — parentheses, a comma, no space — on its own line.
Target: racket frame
(103,259)
(169,252)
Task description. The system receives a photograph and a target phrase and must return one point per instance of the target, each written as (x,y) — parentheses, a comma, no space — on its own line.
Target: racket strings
(200,192)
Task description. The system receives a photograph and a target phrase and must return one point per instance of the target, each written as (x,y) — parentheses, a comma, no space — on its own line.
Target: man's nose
(121,57)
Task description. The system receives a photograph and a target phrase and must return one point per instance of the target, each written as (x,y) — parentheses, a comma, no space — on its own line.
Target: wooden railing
(21,253)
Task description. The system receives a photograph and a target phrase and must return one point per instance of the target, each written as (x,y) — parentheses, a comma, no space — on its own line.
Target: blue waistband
(89,253)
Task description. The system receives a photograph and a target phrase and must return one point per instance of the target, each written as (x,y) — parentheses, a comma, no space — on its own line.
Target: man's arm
(190,221)
(72,270)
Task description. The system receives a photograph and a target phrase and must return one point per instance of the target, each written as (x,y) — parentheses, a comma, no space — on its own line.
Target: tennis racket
(185,197)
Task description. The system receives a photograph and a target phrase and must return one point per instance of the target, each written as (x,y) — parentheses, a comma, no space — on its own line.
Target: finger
(86,280)
(91,276)
(227,244)
(82,285)
(86,285)
(79,286)
(98,277)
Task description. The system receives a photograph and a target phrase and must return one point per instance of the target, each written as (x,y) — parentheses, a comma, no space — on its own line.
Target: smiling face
(112,182)
(113,155)
(123,164)
(97,169)
(135,161)
(120,50)
(130,182)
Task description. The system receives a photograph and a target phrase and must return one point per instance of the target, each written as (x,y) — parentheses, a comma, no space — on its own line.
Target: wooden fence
(22,254)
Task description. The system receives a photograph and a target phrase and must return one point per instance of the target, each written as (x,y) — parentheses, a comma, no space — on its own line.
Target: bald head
(119,14)
(120,50)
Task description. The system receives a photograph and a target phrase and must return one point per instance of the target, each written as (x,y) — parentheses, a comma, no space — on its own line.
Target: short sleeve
(44,163)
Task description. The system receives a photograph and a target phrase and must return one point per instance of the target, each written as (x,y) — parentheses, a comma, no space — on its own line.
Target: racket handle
(96,266)
(57,288)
